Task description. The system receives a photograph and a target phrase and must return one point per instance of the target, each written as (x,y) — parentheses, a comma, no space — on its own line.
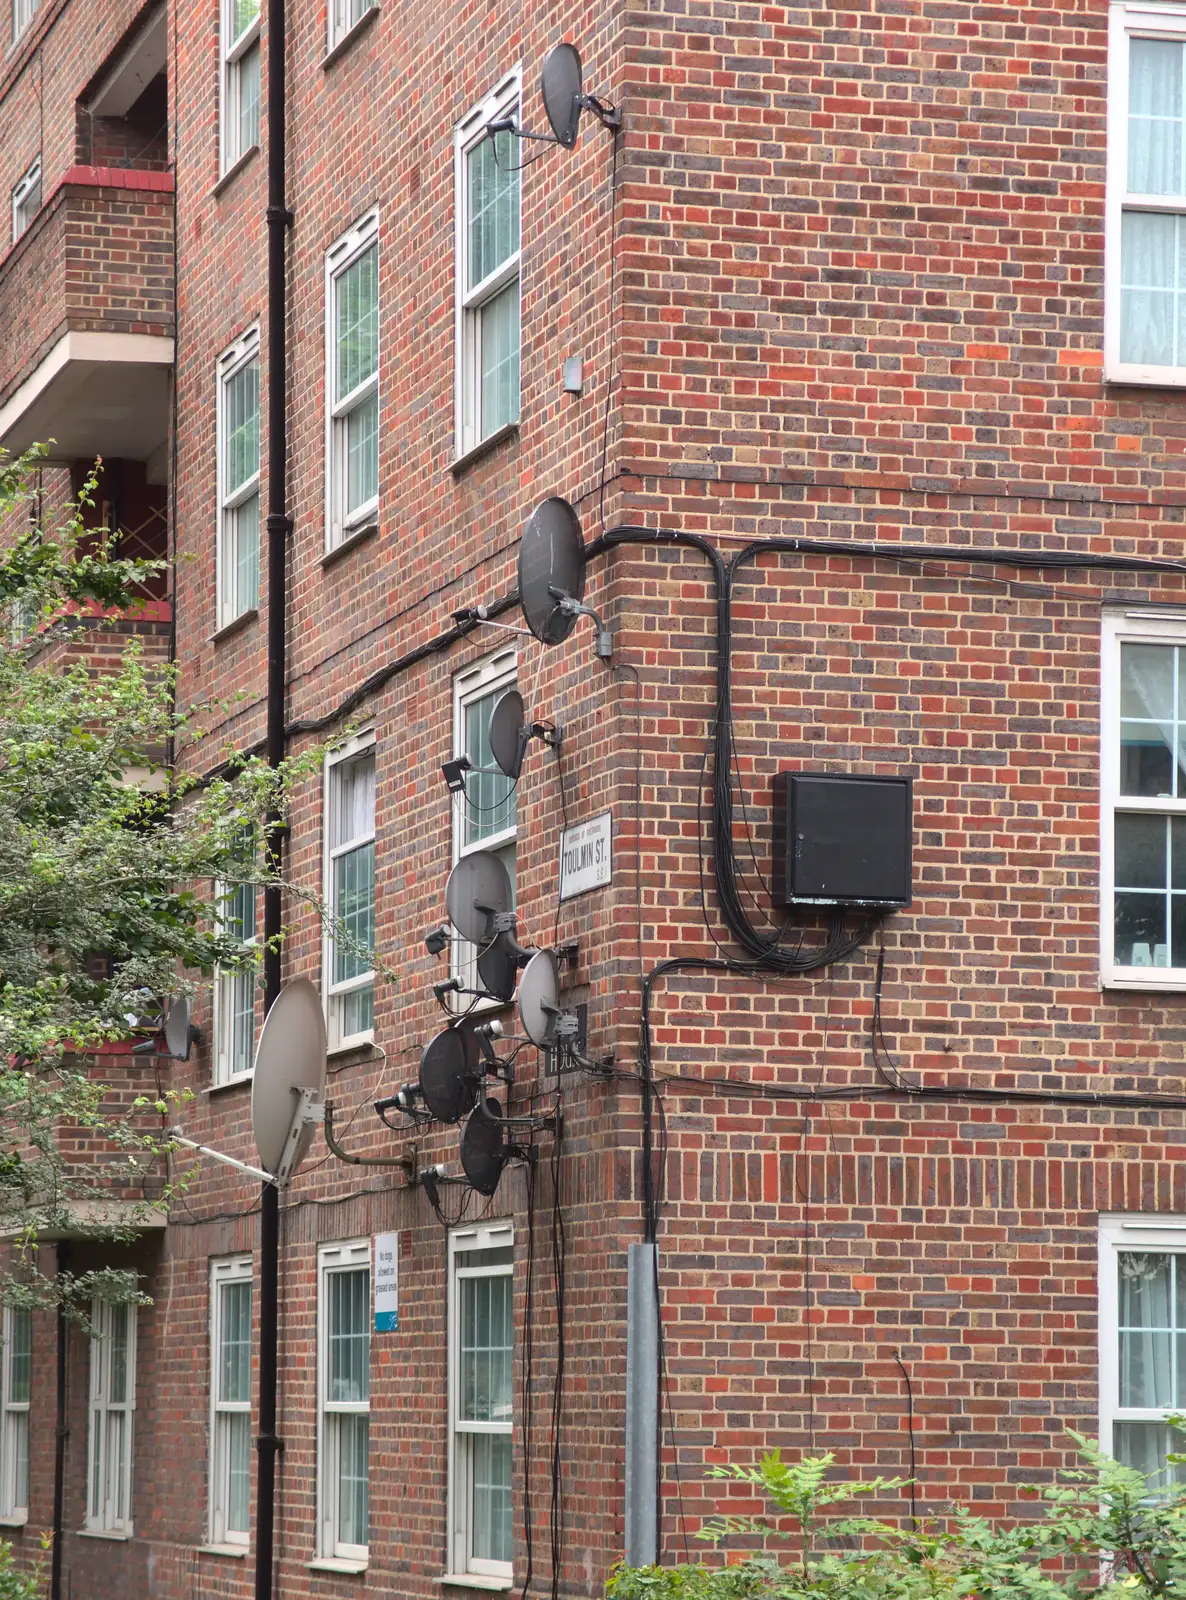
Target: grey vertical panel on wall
(642,1405)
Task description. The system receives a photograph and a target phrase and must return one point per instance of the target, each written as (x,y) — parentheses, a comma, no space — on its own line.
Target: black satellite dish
(485,1149)
(560,89)
(478,887)
(449,1073)
(551,568)
(509,733)
(498,968)
(539,998)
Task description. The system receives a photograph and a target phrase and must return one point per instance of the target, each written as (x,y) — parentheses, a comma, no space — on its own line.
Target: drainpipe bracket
(280,214)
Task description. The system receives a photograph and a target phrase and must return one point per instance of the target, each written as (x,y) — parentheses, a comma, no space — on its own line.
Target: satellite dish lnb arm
(176,1137)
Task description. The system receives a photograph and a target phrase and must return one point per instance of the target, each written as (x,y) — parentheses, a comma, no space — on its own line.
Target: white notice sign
(386,1282)
(586,856)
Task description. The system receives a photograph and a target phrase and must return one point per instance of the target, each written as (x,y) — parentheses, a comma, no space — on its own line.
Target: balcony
(86,320)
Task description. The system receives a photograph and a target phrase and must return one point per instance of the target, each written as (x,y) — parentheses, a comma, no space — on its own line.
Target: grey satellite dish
(560,88)
(478,887)
(449,1073)
(180,1033)
(289,1059)
(498,968)
(484,1148)
(539,998)
(509,733)
(551,569)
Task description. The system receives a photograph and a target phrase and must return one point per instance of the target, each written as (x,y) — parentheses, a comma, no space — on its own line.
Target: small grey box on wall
(842,839)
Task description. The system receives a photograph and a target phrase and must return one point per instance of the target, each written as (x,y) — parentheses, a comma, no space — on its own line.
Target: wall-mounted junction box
(842,840)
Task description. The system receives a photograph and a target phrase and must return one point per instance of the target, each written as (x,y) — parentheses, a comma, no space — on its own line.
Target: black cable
(559,1271)
(910,1430)
(525,1402)
(564,825)
(609,335)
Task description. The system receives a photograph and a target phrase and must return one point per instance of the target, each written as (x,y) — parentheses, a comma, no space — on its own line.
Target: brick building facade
(897,277)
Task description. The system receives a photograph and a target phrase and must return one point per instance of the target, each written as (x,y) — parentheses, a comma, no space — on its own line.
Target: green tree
(106,861)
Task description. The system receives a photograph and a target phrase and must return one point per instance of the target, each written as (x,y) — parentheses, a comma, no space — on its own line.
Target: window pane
(491,1521)
(1155,116)
(248,71)
(238,1426)
(117,1392)
(498,336)
(485,1349)
(352,801)
(1141,938)
(358,322)
(1145,1445)
(241,449)
(235,1364)
(245,535)
(489,804)
(353,1446)
(1140,852)
(362,453)
(19,1444)
(1147,681)
(354,907)
(493,204)
(243,14)
(20,1356)
(350,1335)
(1151,281)
(358,1011)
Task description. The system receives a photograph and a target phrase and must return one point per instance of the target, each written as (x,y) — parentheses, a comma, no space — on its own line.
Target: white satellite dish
(288,1089)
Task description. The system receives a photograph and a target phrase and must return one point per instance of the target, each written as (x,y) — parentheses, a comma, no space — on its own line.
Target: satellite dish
(484,1148)
(179,1031)
(539,998)
(551,563)
(290,1057)
(498,968)
(478,886)
(560,87)
(449,1073)
(507,738)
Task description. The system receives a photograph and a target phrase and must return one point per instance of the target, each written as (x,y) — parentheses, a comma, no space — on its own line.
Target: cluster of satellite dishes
(460,1066)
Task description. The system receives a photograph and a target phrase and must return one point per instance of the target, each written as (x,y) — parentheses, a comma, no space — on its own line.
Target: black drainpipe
(61,1431)
(279,220)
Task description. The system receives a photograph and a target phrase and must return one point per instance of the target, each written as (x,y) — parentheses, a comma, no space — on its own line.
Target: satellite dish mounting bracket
(577,608)
(307,1112)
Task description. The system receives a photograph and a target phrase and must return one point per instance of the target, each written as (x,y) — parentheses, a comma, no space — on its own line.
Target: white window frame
(229,1270)
(1162,1235)
(1126,21)
(23,12)
(225,985)
(499,671)
(359,745)
(351,1256)
(484,1236)
(101,1513)
(231,52)
(503,101)
(1127,627)
(13,1509)
(339,525)
(340,24)
(241,354)
(22,219)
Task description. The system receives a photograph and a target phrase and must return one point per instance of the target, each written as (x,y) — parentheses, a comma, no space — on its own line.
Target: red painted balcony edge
(118,178)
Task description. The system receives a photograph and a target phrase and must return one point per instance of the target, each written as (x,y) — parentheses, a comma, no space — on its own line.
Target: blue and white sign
(586,856)
(386,1282)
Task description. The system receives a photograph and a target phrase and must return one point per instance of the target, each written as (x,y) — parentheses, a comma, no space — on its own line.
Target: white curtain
(1153,328)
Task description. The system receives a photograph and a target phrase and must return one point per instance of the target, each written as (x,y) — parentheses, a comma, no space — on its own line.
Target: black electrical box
(842,840)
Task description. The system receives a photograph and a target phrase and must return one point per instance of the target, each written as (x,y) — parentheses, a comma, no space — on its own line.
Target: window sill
(238,1551)
(353,539)
(475,1580)
(239,1081)
(20,1521)
(335,1564)
(104,1533)
(358,1041)
(509,430)
(1151,985)
(233,171)
(236,625)
(347,39)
